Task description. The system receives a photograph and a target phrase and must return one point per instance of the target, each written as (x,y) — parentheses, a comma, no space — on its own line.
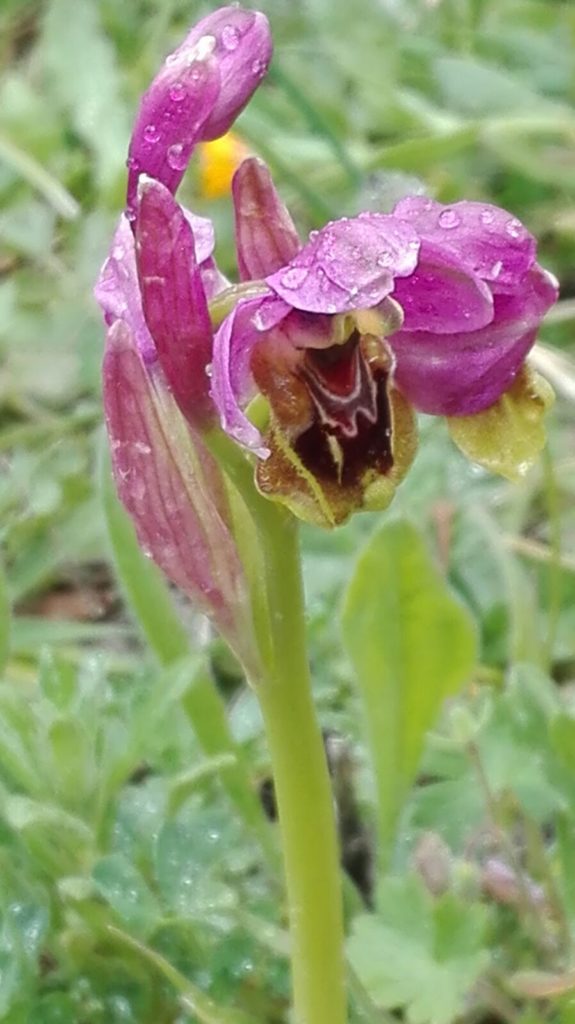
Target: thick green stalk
(304,799)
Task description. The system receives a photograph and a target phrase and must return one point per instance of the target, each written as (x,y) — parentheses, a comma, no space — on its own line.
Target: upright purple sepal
(173,299)
(197,95)
(266,238)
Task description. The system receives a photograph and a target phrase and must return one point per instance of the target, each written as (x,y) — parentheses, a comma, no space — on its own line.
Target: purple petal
(266,238)
(197,95)
(243,50)
(460,374)
(173,299)
(232,382)
(486,239)
(441,297)
(117,290)
(171,486)
(172,114)
(204,235)
(349,264)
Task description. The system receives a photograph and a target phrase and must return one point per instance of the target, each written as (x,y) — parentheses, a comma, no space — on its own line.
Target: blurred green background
(137,872)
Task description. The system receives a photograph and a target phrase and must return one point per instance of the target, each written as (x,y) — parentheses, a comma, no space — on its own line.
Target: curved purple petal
(266,238)
(232,382)
(172,114)
(243,50)
(349,264)
(486,239)
(442,297)
(202,87)
(461,374)
(173,299)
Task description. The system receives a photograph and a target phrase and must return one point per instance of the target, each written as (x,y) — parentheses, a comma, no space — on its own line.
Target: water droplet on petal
(513,227)
(449,219)
(177,92)
(294,277)
(176,156)
(209,370)
(118,252)
(384,259)
(496,269)
(132,163)
(230,37)
(259,68)
(151,133)
(487,216)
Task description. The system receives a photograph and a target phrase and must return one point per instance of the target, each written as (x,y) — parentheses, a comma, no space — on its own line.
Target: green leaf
(73,766)
(419,954)
(412,645)
(508,437)
(84,81)
(476,88)
(4,620)
(124,888)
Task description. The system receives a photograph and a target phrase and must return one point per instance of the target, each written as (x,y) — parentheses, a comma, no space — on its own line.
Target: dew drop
(177,92)
(209,370)
(118,252)
(513,227)
(230,37)
(132,163)
(176,156)
(294,277)
(130,214)
(487,216)
(496,269)
(259,68)
(384,259)
(151,133)
(449,219)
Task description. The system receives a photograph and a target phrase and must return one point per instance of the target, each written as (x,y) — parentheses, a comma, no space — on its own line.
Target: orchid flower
(432,307)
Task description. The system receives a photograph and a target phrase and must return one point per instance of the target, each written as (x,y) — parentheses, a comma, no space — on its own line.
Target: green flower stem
(304,799)
(302,783)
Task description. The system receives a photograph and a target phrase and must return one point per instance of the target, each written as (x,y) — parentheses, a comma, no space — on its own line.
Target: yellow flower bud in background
(218,162)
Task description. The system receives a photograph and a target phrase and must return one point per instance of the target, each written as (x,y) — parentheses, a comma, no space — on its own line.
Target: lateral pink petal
(266,238)
(232,382)
(173,299)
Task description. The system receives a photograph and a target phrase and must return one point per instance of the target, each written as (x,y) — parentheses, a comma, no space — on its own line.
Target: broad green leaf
(412,645)
(420,954)
(124,888)
(508,437)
